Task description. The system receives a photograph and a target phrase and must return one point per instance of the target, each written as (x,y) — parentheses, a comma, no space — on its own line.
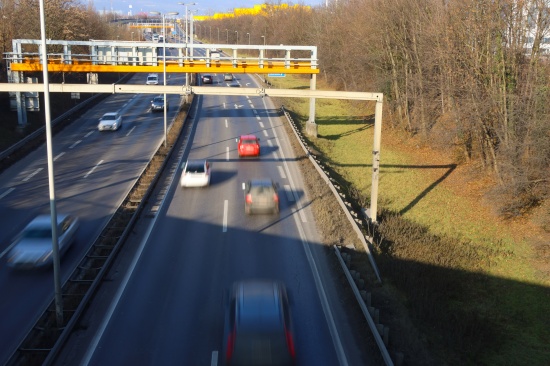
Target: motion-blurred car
(196,173)
(227,77)
(248,145)
(207,79)
(234,84)
(259,327)
(157,104)
(152,79)
(261,196)
(33,246)
(110,121)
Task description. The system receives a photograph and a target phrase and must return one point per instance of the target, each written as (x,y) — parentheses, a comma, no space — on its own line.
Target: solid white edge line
(95,341)
(320,290)
(89,133)
(225,209)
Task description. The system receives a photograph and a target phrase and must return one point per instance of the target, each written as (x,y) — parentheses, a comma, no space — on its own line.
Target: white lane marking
(275,155)
(33,174)
(6,193)
(214,361)
(224,104)
(289,193)
(255,111)
(269,143)
(227,153)
(258,117)
(261,124)
(89,133)
(265,133)
(226,124)
(58,156)
(281,171)
(76,143)
(251,105)
(94,168)
(129,132)
(225,208)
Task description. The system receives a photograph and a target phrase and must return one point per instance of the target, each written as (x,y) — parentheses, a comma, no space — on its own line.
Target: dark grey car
(259,327)
(260,195)
(157,104)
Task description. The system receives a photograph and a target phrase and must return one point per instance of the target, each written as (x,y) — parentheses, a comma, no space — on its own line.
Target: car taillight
(248,198)
(290,343)
(276,197)
(230,344)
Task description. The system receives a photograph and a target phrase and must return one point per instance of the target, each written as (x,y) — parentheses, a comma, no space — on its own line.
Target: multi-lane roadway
(167,300)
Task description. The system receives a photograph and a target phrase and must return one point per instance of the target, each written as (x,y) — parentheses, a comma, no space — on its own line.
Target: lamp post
(58,295)
(248,34)
(237,37)
(186,29)
(132,36)
(164,63)
(265,55)
(210,37)
(227,35)
(186,47)
(218,35)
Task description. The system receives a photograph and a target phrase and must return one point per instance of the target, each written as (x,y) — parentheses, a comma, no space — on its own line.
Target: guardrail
(363,298)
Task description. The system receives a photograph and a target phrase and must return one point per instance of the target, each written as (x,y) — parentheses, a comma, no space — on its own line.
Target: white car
(196,173)
(152,79)
(110,121)
(33,247)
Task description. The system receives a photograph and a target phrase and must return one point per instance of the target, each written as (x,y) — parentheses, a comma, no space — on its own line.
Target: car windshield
(249,141)
(158,100)
(38,233)
(195,168)
(109,117)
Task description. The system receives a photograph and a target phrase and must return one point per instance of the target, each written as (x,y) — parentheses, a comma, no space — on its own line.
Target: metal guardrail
(326,178)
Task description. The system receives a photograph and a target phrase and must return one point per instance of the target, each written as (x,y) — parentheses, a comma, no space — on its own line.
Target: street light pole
(132,36)
(58,295)
(237,37)
(218,35)
(227,35)
(164,68)
(248,34)
(186,47)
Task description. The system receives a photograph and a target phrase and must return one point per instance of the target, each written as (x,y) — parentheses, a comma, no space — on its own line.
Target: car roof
(45,220)
(259,303)
(110,114)
(260,182)
(196,162)
(249,137)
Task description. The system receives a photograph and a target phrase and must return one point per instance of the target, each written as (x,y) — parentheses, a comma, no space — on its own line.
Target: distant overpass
(96,56)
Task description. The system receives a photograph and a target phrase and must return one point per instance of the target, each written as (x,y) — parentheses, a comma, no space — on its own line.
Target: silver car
(33,246)
(110,121)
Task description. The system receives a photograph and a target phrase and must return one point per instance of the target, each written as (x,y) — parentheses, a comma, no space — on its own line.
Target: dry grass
(470,286)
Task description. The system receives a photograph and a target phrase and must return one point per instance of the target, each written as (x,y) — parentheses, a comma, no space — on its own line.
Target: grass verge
(462,278)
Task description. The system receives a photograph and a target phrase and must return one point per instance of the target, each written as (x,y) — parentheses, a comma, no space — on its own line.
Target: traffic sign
(276,75)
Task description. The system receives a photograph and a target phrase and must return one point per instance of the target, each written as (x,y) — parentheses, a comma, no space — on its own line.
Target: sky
(204,7)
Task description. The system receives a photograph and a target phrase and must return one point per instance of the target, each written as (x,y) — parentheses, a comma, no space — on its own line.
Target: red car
(249,145)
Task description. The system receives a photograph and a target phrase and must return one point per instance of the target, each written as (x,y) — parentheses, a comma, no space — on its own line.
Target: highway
(169,307)
(165,299)
(94,171)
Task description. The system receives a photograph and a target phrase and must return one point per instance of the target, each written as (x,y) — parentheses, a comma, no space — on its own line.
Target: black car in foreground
(259,327)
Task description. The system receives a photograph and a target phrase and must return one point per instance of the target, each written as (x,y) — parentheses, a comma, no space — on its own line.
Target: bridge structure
(97,56)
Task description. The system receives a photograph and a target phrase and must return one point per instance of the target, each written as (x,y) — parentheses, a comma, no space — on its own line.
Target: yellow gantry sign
(148,57)
(242,67)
